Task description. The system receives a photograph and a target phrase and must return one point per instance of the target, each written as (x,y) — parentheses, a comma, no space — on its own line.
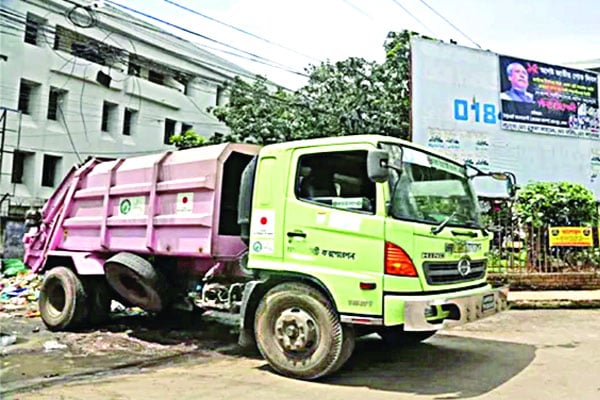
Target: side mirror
(495,184)
(377,165)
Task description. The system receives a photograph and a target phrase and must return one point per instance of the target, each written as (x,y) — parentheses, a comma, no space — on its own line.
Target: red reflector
(367,285)
(397,262)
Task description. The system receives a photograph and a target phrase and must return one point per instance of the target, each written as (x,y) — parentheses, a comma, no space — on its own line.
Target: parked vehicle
(310,243)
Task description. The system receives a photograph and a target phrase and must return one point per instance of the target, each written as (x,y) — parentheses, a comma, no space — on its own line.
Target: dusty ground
(128,342)
(535,354)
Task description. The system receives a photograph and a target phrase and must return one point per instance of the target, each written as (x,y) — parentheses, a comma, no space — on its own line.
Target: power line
(254,57)
(413,16)
(69,133)
(240,30)
(450,23)
(358,9)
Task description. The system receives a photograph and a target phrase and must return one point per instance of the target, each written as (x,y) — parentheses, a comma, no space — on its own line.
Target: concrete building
(92,81)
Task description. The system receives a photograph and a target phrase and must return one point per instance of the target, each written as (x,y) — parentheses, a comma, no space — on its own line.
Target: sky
(304,32)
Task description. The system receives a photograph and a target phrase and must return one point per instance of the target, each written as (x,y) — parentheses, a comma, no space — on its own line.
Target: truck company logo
(334,254)
(125,206)
(464,267)
(257,247)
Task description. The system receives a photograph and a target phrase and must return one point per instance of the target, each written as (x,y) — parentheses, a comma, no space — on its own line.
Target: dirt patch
(39,357)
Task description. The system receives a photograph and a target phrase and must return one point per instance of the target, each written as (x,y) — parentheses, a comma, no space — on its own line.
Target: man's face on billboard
(519,78)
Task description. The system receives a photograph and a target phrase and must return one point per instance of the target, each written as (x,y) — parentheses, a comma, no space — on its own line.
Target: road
(528,354)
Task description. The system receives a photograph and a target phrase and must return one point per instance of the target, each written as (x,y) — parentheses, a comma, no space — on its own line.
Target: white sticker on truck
(263,246)
(132,206)
(263,224)
(185,203)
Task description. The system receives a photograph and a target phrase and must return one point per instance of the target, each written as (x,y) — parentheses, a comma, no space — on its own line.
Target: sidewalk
(554,299)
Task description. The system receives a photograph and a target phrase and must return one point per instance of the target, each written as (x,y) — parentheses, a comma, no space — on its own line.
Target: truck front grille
(441,273)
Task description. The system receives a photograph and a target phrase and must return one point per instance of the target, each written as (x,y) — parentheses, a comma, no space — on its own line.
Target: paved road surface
(518,355)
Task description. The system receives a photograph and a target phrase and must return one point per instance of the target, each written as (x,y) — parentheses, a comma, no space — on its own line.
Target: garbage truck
(309,243)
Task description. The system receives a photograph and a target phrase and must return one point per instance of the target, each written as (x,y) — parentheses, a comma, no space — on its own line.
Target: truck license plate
(489,302)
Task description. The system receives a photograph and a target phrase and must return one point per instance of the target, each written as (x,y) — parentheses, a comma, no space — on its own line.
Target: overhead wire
(239,30)
(64,120)
(450,23)
(406,10)
(358,9)
(252,56)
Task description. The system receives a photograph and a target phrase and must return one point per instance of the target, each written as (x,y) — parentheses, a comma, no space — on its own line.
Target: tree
(187,139)
(348,97)
(557,204)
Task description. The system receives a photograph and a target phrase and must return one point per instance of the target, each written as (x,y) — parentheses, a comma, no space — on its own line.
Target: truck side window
(337,180)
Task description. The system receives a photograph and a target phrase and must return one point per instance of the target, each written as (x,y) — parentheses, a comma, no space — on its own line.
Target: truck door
(334,226)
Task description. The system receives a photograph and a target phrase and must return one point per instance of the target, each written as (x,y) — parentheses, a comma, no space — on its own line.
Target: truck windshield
(430,189)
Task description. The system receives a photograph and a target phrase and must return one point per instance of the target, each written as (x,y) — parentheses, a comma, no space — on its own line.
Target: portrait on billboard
(544,98)
(518,77)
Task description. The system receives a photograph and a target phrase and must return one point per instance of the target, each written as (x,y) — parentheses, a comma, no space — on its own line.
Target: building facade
(81,81)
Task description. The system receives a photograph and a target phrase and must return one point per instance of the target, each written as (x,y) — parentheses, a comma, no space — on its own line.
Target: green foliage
(187,139)
(255,115)
(557,204)
(348,97)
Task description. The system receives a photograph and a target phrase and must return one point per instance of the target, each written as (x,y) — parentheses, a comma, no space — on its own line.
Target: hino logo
(464,267)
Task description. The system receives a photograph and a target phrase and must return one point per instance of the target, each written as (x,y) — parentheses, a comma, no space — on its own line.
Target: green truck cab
(356,235)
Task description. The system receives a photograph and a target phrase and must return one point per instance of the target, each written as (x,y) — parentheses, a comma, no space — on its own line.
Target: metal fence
(524,249)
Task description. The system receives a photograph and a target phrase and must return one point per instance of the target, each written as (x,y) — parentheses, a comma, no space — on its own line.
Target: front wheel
(299,333)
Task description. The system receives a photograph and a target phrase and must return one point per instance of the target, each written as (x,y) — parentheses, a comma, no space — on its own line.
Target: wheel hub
(296,330)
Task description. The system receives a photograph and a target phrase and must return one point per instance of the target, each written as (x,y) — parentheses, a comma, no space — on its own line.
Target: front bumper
(461,308)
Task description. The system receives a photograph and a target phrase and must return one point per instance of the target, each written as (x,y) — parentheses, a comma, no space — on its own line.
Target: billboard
(461,105)
(538,97)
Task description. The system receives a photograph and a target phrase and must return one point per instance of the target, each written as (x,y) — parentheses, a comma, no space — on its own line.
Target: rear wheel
(62,303)
(299,333)
(137,281)
(397,336)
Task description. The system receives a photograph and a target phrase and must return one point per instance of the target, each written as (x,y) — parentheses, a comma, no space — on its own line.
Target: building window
(56,99)
(156,77)
(186,127)
(33,28)
(220,100)
(50,170)
(27,96)
(22,160)
(134,69)
(129,121)
(109,116)
(169,130)
(87,48)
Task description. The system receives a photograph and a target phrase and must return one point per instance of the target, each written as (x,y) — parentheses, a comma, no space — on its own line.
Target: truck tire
(298,332)
(137,281)
(396,336)
(62,303)
(347,347)
(99,298)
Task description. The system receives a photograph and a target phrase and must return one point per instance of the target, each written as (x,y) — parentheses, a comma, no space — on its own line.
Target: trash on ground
(7,340)
(54,345)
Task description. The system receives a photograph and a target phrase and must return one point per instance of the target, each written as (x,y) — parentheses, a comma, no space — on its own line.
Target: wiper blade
(437,229)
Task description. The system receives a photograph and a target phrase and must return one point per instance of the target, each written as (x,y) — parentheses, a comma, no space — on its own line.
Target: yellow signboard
(570,236)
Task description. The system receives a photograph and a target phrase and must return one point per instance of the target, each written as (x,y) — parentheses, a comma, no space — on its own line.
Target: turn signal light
(397,262)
